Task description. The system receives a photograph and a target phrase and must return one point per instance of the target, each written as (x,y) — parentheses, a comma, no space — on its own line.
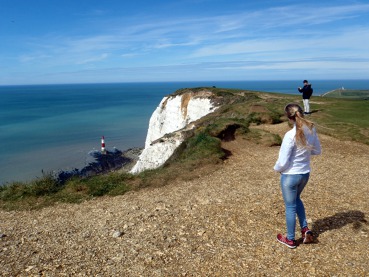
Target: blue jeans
(292,186)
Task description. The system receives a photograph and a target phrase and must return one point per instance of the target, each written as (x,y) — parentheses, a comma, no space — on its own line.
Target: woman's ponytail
(295,113)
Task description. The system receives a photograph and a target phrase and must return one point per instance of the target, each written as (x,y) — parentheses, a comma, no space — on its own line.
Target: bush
(112,184)
(13,191)
(45,185)
(202,146)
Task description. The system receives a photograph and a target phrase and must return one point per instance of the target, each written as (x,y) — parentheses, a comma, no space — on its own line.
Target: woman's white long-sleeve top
(296,160)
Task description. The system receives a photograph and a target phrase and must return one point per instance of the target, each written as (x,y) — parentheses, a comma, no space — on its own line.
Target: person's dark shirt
(306,91)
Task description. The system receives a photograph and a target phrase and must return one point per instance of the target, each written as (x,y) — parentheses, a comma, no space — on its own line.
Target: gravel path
(221,224)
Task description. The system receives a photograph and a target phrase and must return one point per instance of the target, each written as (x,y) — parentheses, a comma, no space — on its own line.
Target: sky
(102,41)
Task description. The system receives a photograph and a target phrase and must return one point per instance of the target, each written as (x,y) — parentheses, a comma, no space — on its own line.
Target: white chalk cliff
(168,124)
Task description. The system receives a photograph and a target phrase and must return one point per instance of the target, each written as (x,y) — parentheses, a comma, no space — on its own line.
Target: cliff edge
(169,123)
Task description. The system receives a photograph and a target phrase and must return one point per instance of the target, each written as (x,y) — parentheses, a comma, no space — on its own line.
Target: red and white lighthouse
(103,145)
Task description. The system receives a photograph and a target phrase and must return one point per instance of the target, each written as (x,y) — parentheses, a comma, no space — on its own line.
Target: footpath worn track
(220,224)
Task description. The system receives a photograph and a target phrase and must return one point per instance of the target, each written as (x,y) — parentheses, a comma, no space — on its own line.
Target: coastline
(51,127)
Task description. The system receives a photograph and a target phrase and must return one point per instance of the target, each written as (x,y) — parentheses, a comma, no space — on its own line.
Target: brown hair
(294,112)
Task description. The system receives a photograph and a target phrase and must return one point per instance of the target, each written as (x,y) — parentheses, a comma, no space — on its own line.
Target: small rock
(201,232)
(86,235)
(2,236)
(29,268)
(117,234)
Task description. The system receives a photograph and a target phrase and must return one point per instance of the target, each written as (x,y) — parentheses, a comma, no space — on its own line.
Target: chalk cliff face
(168,124)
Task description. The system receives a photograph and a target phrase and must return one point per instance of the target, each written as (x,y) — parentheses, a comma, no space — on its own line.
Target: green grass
(46,191)
(202,152)
(348,94)
(343,119)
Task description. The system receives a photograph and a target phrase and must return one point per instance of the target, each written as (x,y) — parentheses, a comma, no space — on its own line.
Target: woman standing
(294,165)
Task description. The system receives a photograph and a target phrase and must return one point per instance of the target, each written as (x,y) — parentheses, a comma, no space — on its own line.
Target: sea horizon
(53,127)
(339,82)
(320,86)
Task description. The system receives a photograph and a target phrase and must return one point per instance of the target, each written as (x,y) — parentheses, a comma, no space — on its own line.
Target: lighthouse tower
(103,151)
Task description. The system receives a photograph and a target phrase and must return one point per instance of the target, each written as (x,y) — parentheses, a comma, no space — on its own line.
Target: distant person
(293,164)
(306,91)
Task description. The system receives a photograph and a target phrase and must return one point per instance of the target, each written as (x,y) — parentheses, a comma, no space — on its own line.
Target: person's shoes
(289,243)
(307,235)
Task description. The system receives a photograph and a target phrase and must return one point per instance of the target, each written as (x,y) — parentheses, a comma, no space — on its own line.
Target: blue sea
(54,127)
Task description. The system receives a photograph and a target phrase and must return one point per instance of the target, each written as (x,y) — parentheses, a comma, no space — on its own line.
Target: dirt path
(222,224)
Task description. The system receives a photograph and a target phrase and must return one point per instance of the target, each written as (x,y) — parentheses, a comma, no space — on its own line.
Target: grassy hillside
(348,94)
(202,152)
(343,119)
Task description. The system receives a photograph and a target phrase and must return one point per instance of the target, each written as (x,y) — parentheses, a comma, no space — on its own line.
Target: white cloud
(93,59)
(32,58)
(280,38)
